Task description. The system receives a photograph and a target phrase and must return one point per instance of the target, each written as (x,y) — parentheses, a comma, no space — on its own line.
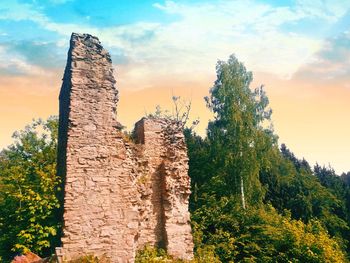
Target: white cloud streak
(14,64)
(204,33)
(330,64)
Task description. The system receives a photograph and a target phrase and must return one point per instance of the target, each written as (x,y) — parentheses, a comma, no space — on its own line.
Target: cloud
(323,9)
(331,64)
(16,11)
(206,32)
(43,54)
(14,65)
(29,58)
(202,33)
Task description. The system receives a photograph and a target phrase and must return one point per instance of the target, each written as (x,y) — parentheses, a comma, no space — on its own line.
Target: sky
(299,50)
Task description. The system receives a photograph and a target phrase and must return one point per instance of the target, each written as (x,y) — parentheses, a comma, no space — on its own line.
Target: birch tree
(237,132)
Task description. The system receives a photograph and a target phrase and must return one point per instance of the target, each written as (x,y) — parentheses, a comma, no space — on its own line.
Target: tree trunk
(242,194)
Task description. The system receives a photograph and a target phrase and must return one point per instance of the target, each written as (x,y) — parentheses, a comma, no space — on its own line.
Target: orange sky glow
(311,120)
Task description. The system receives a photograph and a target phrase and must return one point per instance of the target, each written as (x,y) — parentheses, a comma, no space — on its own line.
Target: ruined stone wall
(118,196)
(164,188)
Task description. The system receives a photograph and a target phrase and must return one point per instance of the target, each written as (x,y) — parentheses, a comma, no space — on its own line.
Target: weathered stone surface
(119,196)
(165,188)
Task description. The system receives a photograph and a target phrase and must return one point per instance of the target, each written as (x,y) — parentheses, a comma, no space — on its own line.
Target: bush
(261,235)
(90,259)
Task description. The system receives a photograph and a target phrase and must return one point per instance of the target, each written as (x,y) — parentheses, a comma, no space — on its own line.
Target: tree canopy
(29,188)
(294,213)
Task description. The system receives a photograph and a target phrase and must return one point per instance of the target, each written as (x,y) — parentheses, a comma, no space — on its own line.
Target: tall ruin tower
(118,195)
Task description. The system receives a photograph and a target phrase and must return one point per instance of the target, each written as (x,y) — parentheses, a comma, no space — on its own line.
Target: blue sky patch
(24,30)
(106,13)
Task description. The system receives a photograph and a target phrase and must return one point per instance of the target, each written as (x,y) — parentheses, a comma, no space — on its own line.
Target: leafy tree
(292,215)
(199,166)
(299,164)
(341,191)
(291,184)
(346,178)
(28,193)
(237,136)
(333,182)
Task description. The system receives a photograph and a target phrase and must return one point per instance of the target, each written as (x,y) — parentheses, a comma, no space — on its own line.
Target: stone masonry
(120,193)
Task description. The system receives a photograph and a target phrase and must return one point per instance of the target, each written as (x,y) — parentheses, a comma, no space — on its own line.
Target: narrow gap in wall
(162,241)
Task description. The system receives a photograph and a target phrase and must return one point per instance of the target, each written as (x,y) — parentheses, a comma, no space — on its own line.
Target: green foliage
(90,259)
(237,137)
(338,187)
(292,215)
(29,186)
(151,255)
(346,178)
(261,235)
(292,185)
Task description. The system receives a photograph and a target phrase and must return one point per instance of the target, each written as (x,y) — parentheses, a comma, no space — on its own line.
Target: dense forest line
(252,201)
